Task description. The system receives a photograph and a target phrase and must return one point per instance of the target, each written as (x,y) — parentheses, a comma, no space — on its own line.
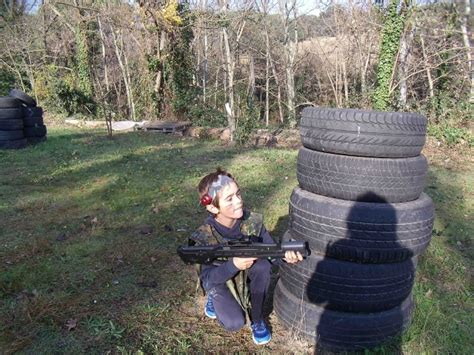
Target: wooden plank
(167,126)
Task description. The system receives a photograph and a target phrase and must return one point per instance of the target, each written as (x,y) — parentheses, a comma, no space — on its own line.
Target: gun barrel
(208,253)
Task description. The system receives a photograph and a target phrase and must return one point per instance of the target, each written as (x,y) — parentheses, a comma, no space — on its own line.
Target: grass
(89,228)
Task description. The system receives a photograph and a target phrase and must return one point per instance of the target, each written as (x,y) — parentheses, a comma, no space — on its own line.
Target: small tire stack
(33,124)
(11,124)
(360,207)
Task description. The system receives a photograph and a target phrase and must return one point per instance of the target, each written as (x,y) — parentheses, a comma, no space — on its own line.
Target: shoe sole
(208,315)
(261,342)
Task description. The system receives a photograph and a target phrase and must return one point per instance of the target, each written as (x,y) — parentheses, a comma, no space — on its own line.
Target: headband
(216,186)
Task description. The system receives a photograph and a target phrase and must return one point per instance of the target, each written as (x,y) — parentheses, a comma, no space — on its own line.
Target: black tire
(36,140)
(11,135)
(361,231)
(39,131)
(33,121)
(352,178)
(9,102)
(11,113)
(363,133)
(349,287)
(14,144)
(24,98)
(11,125)
(33,111)
(340,331)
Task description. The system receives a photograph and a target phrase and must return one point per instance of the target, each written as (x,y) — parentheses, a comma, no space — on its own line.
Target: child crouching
(229,221)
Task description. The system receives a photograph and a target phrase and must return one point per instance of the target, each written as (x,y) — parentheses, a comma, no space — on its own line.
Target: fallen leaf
(429,293)
(61,237)
(71,324)
(150,284)
(145,229)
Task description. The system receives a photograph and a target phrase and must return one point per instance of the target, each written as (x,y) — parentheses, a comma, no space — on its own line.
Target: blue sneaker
(260,333)
(209,310)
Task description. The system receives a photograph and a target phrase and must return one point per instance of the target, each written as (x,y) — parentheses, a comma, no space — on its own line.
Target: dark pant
(228,311)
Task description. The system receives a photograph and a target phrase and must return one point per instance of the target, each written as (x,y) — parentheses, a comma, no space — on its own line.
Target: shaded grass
(76,213)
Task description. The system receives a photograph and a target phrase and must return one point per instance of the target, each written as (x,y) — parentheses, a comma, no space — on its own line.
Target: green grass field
(89,228)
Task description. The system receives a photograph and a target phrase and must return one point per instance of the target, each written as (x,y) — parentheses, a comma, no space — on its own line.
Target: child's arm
(291,257)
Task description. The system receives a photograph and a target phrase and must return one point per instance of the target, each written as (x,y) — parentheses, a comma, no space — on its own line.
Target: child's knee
(234,324)
(261,268)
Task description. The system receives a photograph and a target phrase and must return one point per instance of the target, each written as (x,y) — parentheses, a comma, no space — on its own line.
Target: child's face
(230,201)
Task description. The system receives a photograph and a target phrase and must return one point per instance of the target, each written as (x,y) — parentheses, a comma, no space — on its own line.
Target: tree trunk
(267,79)
(230,67)
(204,76)
(130,88)
(467,44)
(277,81)
(427,66)
(405,44)
(124,73)
(104,56)
(251,85)
(287,10)
(363,74)
(216,87)
(44,32)
(159,73)
(393,27)
(229,62)
(346,84)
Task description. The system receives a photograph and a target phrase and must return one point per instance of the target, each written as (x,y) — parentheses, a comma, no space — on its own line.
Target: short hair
(206,182)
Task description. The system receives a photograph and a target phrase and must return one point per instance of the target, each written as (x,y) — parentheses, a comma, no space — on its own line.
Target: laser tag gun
(206,254)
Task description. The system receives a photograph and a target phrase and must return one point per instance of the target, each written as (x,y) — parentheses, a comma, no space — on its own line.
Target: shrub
(450,134)
(7,81)
(206,116)
(61,93)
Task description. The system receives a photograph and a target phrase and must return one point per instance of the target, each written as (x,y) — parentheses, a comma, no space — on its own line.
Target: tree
(393,26)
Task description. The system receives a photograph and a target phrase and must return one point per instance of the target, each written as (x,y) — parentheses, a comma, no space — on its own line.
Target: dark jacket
(212,275)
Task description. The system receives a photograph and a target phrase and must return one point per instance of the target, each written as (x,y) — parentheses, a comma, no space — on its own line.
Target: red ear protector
(206,200)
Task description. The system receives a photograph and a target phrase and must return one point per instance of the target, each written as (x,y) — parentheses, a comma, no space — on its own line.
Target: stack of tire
(360,207)
(11,124)
(34,128)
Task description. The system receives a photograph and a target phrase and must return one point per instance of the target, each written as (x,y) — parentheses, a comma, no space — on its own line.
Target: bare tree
(289,14)
(230,60)
(406,41)
(466,36)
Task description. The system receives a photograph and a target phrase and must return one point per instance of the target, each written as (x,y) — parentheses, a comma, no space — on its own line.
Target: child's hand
(291,257)
(243,263)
